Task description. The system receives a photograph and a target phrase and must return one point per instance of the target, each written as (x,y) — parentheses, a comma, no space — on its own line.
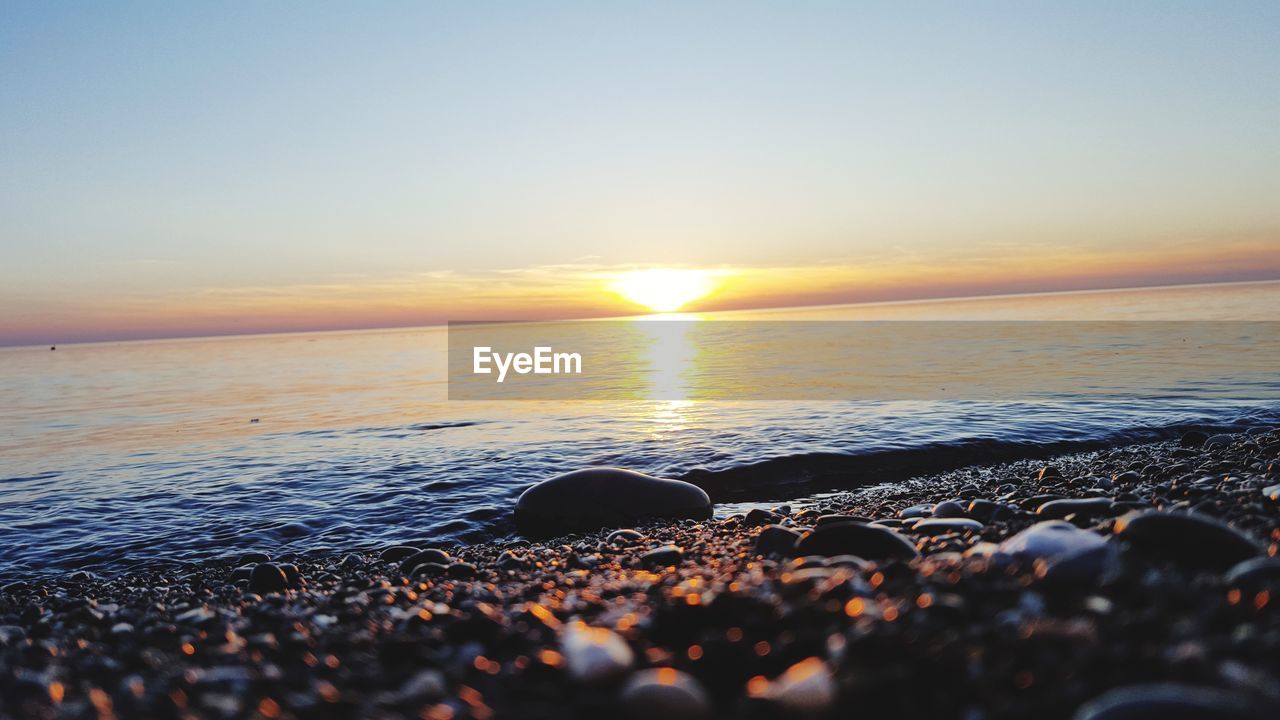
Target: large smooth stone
(805,689)
(1255,574)
(1186,539)
(1051,539)
(605,497)
(777,540)
(594,654)
(942,526)
(869,542)
(1167,702)
(665,693)
(1087,507)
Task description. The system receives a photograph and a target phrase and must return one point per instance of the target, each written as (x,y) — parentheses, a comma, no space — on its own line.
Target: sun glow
(663,290)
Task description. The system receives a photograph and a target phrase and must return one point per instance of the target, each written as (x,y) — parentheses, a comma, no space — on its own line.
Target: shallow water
(120,453)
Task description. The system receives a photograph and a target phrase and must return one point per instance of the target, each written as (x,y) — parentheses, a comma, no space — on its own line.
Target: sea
(121,455)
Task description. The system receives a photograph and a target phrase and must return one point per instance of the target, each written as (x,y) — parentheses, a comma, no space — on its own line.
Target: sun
(664,290)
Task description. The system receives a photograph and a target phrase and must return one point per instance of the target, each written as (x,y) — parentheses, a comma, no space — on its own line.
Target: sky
(172,169)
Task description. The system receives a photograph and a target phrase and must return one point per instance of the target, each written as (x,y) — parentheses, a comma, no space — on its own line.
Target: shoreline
(688,619)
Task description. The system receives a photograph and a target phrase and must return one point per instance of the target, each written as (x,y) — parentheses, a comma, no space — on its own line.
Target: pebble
(1050,539)
(805,689)
(662,556)
(267,578)
(1217,441)
(777,540)
(1255,574)
(942,526)
(1193,438)
(594,654)
(1272,493)
(1168,702)
(869,542)
(988,510)
(624,537)
(760,516)
(430,555)
(665,693)
(603,497)
(830,519)
(253,558)
(396,553)
(425,685)
(1188,539)
(949,509)
(1087,507)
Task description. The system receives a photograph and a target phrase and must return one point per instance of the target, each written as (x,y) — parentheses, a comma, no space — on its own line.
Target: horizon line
(443,324)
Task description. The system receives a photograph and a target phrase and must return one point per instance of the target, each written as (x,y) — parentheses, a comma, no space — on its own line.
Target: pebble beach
(1132,582)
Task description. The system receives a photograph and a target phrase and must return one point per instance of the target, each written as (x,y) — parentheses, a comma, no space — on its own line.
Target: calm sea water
(118,454)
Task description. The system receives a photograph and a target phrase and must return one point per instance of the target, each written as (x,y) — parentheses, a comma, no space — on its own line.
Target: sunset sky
(174,169)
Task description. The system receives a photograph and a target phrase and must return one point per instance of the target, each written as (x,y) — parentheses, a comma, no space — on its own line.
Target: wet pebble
(665,693)
(865,541)
(662,556)
(594,654)
(805,689)
(430,555)
(267,578)
(1168,702)
(942,526)
(777,540)
(1187,539)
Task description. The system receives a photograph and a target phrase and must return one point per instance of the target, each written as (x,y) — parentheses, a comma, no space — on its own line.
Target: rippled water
(115,454)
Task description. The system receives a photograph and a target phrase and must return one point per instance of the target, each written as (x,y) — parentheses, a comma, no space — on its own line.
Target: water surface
(113,454)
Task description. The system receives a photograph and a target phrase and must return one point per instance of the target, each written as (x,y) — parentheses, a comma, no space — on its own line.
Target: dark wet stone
(988,510)
(1049,472)
(602,497)
(291,573)
(829,519)
(760,516)
(1217,441)
(1036,501)
(462,570)
(1082,569)
(1127,477)
(662,556)
(916,511)
(777,540)
(624,537)
(396,553)
(1168,702)
(253,558)
(1186,539)
(241,573)
(1193,438)
(1088,507)
(428,569)
(1255,574)
(430,555)
(508,560)
(1051,539)
(267,578)
(847,561)
(949,509)
(865,541)
(942,526)
(665,693)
